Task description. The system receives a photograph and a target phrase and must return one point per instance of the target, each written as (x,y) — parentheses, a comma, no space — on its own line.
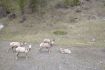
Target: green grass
(60,32)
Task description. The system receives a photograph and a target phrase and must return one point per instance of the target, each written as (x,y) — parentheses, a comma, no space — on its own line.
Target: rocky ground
(81,58)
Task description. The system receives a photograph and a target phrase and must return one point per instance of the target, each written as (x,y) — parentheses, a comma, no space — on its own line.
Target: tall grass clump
(71,2)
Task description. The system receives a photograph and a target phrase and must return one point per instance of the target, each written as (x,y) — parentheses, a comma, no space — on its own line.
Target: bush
(71,2)
(59,32)
(33,5)
(21,4)
(7,5)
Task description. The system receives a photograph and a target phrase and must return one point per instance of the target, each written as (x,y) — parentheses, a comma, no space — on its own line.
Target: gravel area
(81,58)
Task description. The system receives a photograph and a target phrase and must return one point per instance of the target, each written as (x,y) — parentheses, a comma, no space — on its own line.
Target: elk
(47,43)
(24,49)
(65,51)
(16,44)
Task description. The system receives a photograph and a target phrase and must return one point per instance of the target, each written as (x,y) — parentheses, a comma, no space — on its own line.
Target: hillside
(80,25)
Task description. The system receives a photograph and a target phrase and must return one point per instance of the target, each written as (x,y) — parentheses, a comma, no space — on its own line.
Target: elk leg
(48,50)
(13,48)
(26,56)
(17,54)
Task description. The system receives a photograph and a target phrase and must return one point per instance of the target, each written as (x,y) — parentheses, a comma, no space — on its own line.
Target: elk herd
(24,47)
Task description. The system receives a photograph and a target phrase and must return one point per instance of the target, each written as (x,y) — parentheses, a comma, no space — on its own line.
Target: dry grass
(81,30)
(78,34)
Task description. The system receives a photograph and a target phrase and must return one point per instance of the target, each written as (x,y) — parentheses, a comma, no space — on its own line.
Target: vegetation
(66,25)
(60,32)
(33,5)
(21,4)
(71,2)
(6,4)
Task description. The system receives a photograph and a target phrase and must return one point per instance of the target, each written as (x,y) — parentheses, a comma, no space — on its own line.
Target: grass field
(73,28)
(89,32)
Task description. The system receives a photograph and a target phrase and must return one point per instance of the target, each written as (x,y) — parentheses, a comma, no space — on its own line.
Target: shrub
(60,32)
(21,4)
(33,5)
(71,2)
(6,4)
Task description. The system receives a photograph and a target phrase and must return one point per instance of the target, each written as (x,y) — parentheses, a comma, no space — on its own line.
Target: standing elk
(47,43)
(24,49)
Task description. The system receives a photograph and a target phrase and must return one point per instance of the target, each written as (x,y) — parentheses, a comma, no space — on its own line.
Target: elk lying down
(65,51)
